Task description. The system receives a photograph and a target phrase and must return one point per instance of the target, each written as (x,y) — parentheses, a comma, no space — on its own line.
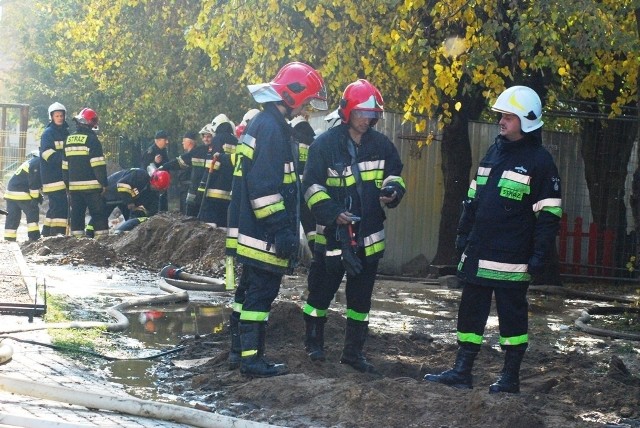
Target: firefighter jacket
(194,162)
(25,184)
(341,177)
(127,186)
(268,190)
(149,156)
(233,212)
(512,214)
(51,154)
(217,177)
(84,166)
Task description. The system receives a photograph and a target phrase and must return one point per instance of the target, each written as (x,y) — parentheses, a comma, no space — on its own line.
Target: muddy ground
(568,378)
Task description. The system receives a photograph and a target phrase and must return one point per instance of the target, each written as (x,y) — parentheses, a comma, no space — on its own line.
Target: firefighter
(134,193)
(155,156)
(352,171)
(304,135)
(232,243)
(84,169)
(194,160)
(506,231)
(218,173)
(183,164)
(268,199)
(23,194)
(51,142)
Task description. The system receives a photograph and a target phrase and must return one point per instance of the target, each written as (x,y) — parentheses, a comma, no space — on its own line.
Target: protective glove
(190,199)
(350,261)
(461,244)
(286,243)
(536,265)
(387,191)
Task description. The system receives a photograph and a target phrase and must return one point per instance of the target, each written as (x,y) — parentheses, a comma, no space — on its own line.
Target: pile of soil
(164,238)
(570,386)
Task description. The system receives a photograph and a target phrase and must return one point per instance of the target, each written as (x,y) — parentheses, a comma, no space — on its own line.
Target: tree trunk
(456,164)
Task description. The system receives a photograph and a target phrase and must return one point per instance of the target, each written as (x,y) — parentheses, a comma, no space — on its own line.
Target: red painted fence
(599,258)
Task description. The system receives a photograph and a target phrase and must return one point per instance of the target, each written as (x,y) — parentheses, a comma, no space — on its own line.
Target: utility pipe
(174,272)
(129,405)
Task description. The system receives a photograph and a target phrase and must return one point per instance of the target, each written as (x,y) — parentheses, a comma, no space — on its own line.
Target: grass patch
(72,340)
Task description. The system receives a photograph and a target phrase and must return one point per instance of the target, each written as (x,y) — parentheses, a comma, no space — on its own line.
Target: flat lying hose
(585,317)
(127,405)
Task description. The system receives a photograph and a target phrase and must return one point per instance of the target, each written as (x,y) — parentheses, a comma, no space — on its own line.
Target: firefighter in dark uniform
(84,170)
(51,142)
(304,135)
(218,175)
(154,157)
(23,194)
(231,244)
(133,192)
(267,225)
(183,164)
(506,231)
(351,172)
(194,160)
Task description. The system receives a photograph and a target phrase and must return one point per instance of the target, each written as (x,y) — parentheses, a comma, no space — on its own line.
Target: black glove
(461,244)
(350,260)
(286,243)
(536,265)
(387,191)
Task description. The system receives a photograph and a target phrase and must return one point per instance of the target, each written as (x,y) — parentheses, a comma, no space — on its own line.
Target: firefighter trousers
(94,202)
(323,285)
(511,306)
(55,222)
(14,214)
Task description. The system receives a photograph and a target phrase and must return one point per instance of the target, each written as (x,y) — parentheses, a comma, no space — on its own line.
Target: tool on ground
(204,183)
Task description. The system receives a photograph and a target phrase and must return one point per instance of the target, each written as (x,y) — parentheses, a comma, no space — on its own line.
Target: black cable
(95,354)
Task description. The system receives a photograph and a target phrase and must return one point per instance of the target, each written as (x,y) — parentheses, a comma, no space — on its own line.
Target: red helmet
(87,117)
(160,180)
(240,129)
(361,96)
(297,83)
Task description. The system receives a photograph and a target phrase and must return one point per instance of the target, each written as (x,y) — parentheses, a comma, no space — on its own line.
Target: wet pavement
(43,367)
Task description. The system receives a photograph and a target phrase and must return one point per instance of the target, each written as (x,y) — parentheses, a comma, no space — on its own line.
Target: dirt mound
(176,239)
(569,390)
(166,238)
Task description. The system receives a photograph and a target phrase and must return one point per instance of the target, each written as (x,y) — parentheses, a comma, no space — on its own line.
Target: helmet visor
(369,114)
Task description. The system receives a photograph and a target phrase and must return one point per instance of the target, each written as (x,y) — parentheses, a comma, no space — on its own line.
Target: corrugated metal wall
(412,228)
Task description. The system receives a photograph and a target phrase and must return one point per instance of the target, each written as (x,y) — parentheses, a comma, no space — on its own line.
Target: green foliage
(149,64)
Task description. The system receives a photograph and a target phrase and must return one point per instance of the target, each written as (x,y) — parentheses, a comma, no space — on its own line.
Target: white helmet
(296,120)
(219,120)
(524,103)
(57,107)
(250,115)
(207,129)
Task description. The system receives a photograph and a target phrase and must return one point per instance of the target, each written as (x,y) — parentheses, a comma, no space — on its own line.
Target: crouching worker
(351,173)
(134,193)
(507,229)
(23,194)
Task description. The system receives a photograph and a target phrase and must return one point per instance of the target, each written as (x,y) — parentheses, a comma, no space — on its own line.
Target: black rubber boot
(236,346)
(509,380)
(460,375)
(354,338)
(252,361)
(314,338)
